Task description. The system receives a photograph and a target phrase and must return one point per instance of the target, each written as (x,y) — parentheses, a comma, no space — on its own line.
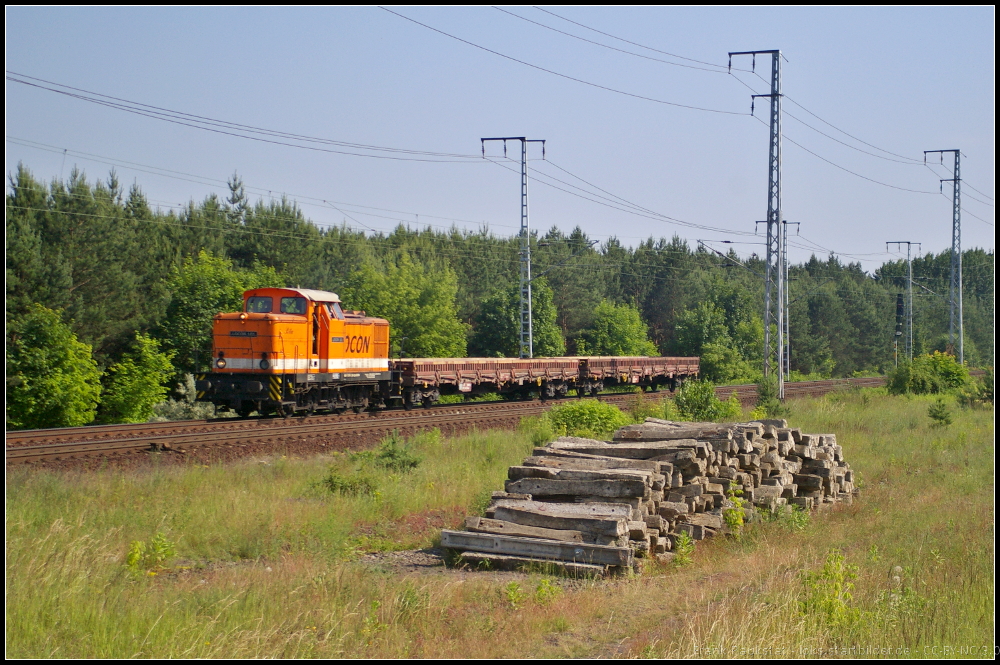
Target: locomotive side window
(293,305)
(259,304)
(335,310)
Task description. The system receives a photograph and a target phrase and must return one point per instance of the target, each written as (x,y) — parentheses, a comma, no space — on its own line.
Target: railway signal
(906,313)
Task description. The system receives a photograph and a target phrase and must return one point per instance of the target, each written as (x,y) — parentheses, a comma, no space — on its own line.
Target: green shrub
(640,407)
(393,454)
(142,557)
(928,374)
(354,484)
(734,515)
(538,429)
(768,404)
(683,550)
(515,595)
(696,400)
(730,410)
(792,518)
(978,392)
(828,596)
(546,591)
(587,418)
(670,410)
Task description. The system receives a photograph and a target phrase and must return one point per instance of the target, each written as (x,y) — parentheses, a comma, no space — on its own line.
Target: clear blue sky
(902,79)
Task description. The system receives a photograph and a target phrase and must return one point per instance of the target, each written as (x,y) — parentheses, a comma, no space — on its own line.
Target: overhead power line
(561,75)
(979,192)
(650,48)
(843,168)
(902,158)
(633,210)
(590,41)
(870,145)
(223,184)
(236,129)
(931,167)
(908,160)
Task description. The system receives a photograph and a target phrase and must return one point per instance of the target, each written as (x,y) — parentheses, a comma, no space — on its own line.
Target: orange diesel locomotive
(296,350)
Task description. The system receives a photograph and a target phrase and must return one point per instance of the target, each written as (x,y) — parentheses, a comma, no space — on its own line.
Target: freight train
(299,351)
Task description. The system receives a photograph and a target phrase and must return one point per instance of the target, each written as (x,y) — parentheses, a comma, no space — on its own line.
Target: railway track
(230,438)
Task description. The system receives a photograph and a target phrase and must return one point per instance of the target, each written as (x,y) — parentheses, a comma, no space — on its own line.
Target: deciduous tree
(137,383)
(418,302)
(52,378)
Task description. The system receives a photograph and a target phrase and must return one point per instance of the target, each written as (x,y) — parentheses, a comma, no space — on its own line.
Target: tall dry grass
(267,560)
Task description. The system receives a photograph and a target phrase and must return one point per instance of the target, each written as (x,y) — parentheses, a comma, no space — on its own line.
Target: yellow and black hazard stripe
(201,393)
(275,388)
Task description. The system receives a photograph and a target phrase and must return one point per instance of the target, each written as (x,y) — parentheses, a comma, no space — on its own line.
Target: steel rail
(107,441)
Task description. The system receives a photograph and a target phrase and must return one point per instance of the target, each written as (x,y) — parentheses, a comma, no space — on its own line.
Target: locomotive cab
(295,350)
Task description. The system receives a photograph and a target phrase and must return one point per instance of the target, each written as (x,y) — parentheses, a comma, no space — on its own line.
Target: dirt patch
(408,561)
(432,561)
(408,530)
(424,522)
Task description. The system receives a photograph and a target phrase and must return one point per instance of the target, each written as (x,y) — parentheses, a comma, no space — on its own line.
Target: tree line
(100,280)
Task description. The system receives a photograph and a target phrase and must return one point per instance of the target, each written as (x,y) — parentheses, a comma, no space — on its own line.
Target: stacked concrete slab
(592,507)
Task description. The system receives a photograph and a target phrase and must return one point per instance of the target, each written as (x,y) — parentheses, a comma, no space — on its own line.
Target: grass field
(263,559)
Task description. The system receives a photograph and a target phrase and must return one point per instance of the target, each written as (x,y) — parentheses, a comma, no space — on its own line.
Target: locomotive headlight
(263,361)
(221,362)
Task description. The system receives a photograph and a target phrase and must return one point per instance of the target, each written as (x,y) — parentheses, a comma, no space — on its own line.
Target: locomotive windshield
(335,310)
(259,304)
(293,305)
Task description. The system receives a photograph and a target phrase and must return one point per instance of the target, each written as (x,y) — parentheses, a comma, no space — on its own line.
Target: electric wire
(650,48)
(226,123)
(590,41)
(654,216)
(235,129)
(965,195)
(223,184)
(908,160)
(320,202)
(977,191)
(561,75)
(785,137)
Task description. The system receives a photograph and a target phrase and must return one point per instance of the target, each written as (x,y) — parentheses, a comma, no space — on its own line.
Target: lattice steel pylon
(774,278)
(955,283)
(526,336)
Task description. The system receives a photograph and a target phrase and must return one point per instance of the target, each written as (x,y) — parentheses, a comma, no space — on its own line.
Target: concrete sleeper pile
(590,508)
